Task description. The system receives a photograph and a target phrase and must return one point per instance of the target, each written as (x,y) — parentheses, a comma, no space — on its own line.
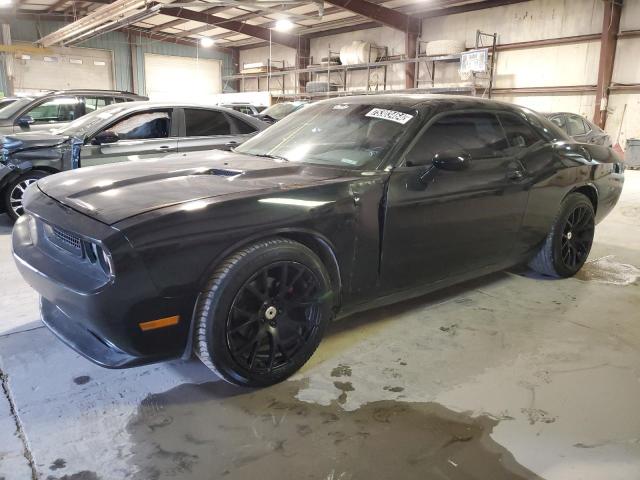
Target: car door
(440,224)
(204,129)
(51,114)
(141,135)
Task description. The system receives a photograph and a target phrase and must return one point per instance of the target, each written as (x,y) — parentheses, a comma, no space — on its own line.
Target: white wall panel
(182,78)
(63,68)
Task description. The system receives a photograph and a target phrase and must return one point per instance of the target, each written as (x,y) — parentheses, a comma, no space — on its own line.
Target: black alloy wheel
(273,316)
(577,237)
(263,312)
(567,246)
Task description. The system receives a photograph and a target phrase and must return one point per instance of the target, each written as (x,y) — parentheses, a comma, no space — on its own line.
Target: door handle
(231,144)
(163,148)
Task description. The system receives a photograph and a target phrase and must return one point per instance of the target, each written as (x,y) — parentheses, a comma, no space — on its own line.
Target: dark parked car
(580,129)
(55,109)
(246,108)
(117,133)
(245,256)
(277,112)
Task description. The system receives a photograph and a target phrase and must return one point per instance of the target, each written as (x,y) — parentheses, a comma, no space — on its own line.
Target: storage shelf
(431,90)
(333,68)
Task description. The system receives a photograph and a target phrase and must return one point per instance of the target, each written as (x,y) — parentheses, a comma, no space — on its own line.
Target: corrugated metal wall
(118,43)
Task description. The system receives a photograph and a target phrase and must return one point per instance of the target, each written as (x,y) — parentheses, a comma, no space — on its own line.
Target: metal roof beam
(386,16)
(262,33)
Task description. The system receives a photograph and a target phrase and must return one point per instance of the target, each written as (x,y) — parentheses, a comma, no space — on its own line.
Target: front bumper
(96,315)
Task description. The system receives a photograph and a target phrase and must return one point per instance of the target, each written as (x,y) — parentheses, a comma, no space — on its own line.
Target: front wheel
(263,312)
(567,246)
(14,192)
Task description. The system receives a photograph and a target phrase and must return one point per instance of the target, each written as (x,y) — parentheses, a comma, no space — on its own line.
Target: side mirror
(452,160)
(105,137)
(25,121)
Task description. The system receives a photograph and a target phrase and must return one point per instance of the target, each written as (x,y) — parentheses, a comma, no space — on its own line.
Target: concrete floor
(509,376)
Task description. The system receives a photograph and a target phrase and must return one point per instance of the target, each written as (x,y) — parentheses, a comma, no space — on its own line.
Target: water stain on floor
(607,270)
(218,431)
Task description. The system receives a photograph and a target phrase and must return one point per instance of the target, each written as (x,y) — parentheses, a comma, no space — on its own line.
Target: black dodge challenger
(243,257)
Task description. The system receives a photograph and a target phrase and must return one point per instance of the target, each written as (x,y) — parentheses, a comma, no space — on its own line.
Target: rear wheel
(262,314)
(14,192)
(567,246)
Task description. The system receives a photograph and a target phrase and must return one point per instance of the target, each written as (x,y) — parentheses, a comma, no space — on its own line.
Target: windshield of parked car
(351,135)
(89,122)
(281,110)
(8,111)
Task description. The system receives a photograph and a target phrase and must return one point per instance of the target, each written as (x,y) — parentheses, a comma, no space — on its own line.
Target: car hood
(112,193)
(24,141)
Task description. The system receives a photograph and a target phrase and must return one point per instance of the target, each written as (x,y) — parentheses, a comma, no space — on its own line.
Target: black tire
(568,244)
(15,190)
(274,295)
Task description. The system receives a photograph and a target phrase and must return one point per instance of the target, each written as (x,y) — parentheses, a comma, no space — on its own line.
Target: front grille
(65,240)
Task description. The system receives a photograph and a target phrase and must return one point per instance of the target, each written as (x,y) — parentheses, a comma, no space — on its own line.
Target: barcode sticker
(390,115)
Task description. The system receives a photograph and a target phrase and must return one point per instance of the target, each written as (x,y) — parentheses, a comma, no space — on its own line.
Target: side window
(479,134)
(575,125)
(240,126)
(60,109)
(204,123)
(519,134)
(121,100)
(91,104)
(143,126)
(559,121)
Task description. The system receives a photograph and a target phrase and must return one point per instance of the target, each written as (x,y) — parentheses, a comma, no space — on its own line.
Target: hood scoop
(222,172)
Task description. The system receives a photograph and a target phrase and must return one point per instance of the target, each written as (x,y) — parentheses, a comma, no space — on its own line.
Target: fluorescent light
(207,42)
(283,25)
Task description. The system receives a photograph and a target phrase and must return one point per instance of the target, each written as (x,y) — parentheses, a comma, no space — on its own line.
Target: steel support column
(608,43)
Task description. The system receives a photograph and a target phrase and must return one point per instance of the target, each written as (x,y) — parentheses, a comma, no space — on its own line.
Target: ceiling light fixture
(283,25)
(5,3)
(207,42)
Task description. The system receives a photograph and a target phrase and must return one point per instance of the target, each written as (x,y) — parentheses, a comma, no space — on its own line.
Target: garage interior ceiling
(228,22)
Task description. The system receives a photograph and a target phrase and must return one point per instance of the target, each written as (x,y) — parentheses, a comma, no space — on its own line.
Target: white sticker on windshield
(391,115)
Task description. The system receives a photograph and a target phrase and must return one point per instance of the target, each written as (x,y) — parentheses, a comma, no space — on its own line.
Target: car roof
(90,90)
(144,105)
(416,100)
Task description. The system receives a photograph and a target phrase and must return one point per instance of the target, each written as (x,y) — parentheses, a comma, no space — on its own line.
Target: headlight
(99,256)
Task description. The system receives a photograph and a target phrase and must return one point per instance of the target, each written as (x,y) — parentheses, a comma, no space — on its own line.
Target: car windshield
(91,121)
(9,110)
(351,135)
(281,110)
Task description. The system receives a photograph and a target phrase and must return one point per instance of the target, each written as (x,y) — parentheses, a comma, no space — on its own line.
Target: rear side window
(479,134)
(243,109)
(519,134)
(575,125)
(204,123)
(94,103)
(241,127)
(559,121)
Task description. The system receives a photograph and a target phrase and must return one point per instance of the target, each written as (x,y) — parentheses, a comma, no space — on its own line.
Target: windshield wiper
(267,155)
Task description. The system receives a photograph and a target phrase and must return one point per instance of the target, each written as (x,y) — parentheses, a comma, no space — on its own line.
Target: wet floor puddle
(213,431)
(607,270)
